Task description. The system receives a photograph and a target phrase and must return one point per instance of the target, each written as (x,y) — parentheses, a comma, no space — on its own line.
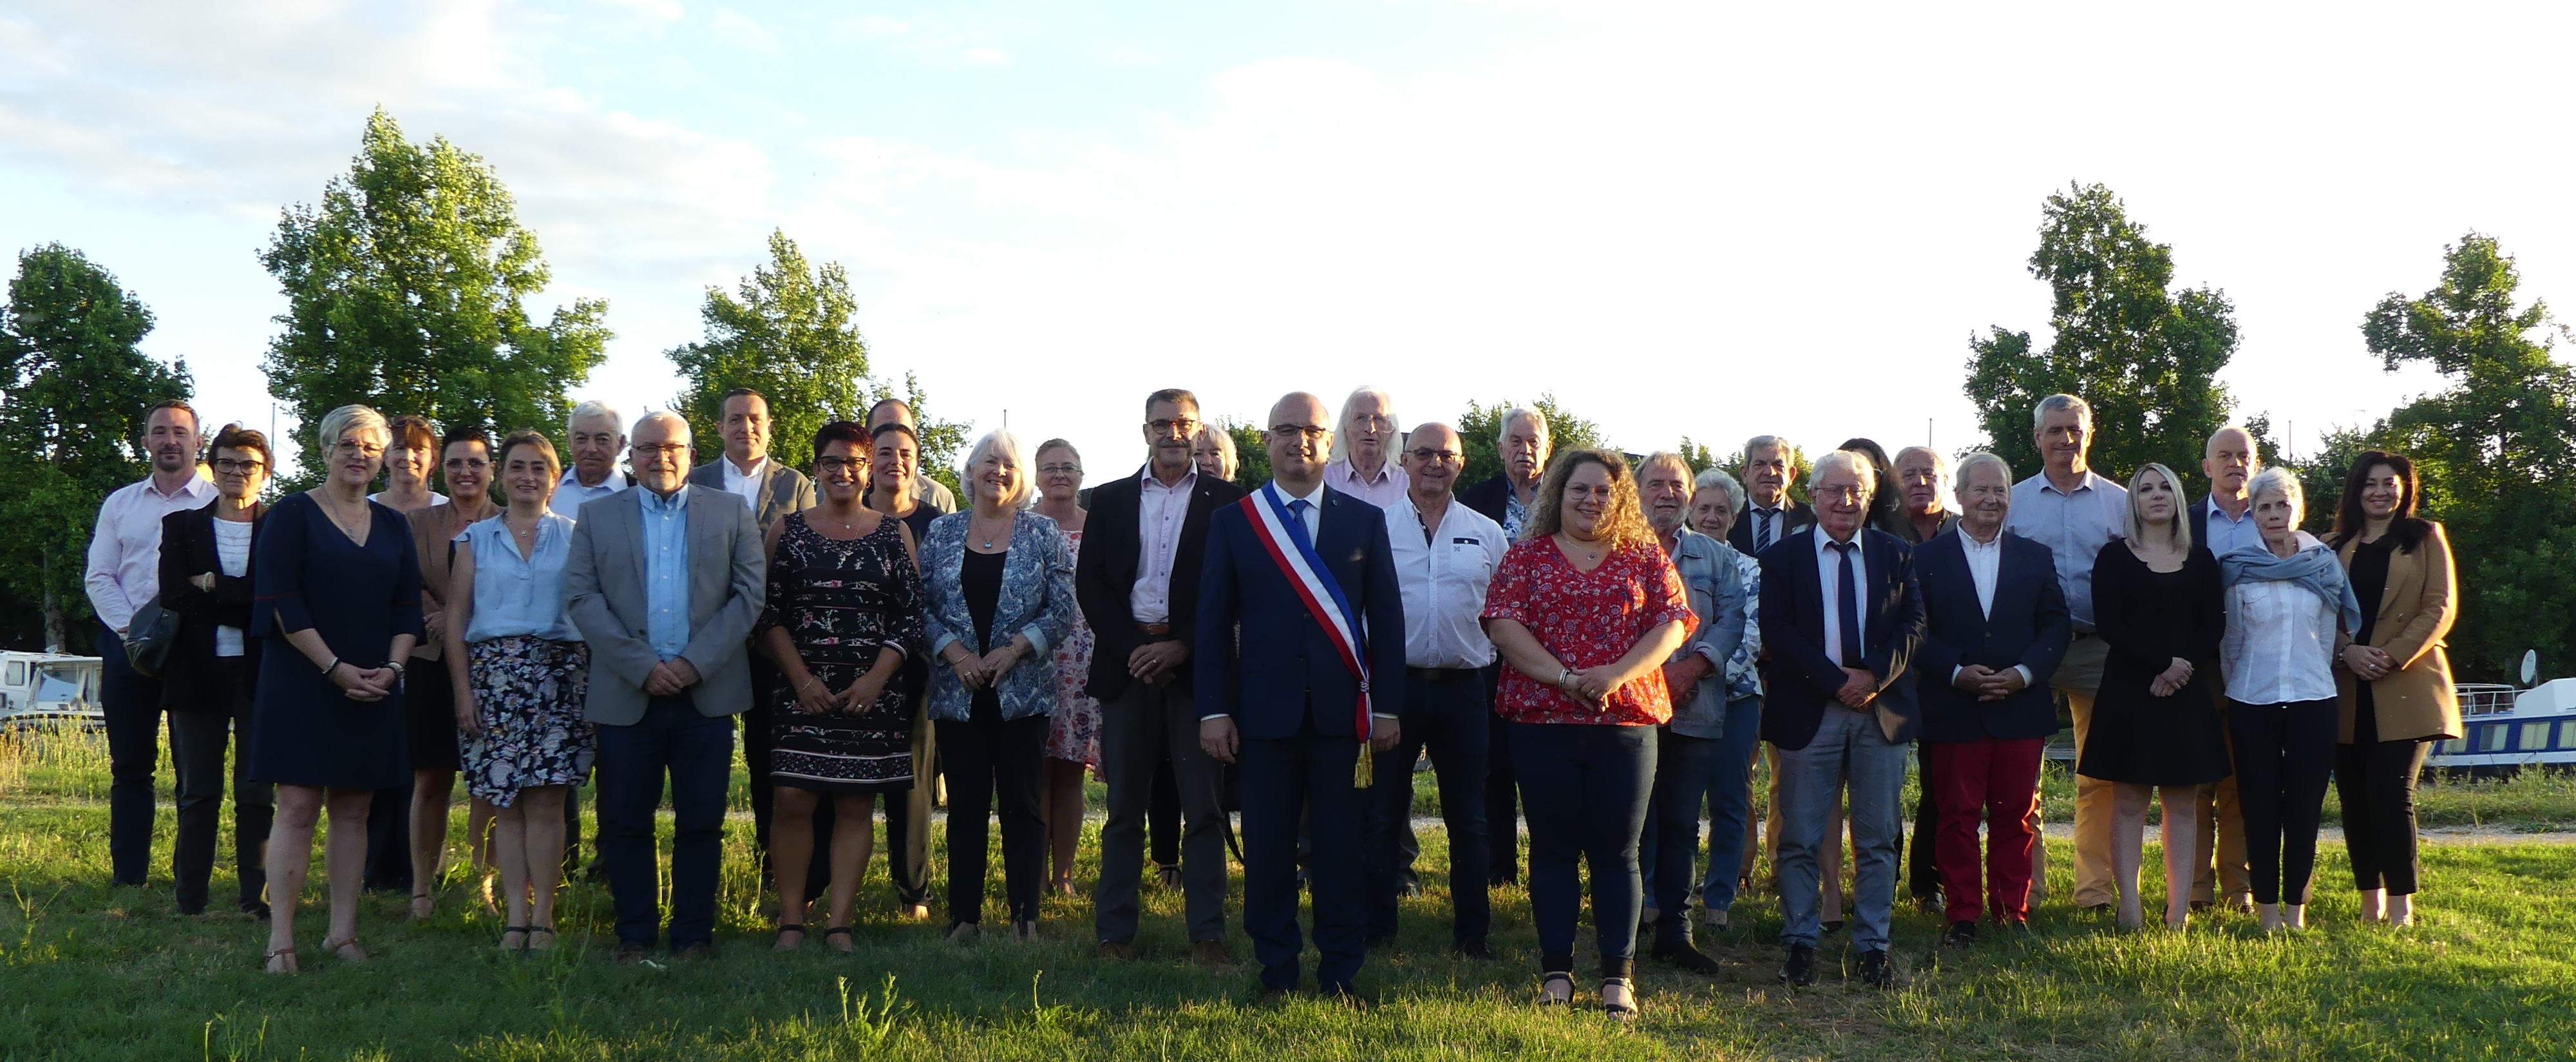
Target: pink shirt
(1383,490)
(125,548)
(1160,512)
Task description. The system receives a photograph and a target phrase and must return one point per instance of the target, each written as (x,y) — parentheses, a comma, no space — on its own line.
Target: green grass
(89,971)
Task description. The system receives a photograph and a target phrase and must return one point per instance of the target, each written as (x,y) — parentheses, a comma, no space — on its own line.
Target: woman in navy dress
(337,593)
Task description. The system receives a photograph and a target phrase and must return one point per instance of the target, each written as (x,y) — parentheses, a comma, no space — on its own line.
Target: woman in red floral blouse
(1586,608)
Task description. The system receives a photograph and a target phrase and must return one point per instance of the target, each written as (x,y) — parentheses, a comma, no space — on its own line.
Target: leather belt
(1443,674)
(1156,629)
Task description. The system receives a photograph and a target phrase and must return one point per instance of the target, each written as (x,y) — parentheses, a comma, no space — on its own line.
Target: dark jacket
(1104,576)
(2029,627)
(187,551)
(1798,678)
(1286,663)
(1801,517)
(1489,497)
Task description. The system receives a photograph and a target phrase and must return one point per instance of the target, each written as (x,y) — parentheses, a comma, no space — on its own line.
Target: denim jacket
(1724,590)
(1036,600)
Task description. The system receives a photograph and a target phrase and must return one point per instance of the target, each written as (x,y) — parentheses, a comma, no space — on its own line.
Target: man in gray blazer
(664,583)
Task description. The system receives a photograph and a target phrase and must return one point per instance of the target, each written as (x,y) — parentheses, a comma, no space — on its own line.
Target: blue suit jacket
(2030,627)
(1799,679)
(1261,657)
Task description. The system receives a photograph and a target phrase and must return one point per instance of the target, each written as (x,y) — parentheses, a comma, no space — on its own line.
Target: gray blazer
(783,490)
(604,593)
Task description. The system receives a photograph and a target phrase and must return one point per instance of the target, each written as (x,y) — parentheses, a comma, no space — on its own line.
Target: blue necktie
(1297,508)
(1847,602)
(1762,528)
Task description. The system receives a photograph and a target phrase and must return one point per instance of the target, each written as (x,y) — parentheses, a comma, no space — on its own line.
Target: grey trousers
(1137,729)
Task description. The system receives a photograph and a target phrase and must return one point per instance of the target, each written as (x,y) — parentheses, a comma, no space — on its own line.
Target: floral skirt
(529,693)
(1074,733)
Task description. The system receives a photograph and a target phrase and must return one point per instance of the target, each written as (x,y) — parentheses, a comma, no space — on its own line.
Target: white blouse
(232,550)
(2279,645)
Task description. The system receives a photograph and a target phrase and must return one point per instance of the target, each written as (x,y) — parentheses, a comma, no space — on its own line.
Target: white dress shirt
(745,485)
(1387,487)
(2279,645)
(1443,574)
(2227,534)
(1985,565)
(232,551)
(1160,512)
(1829,572)
(569,494)
(1313,514)
(125,548)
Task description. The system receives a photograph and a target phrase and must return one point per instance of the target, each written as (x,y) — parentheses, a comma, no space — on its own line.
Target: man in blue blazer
(1995,628)
(1841,618)
(1278,693)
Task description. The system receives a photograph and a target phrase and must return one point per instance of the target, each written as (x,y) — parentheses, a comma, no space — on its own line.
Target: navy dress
(304,730)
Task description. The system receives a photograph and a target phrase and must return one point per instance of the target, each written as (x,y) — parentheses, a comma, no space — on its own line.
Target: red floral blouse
(1587,619)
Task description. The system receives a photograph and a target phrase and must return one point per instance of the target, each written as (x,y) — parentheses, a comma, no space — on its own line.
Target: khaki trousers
(2079,678)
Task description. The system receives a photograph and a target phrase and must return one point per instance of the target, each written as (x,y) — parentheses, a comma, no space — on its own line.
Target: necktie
(1847,602)
(1297,507)
(1762,528)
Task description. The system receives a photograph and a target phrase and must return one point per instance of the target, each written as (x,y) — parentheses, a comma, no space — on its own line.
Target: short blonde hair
(346,419)
(2181,519)
(1223,440)
(1006,446)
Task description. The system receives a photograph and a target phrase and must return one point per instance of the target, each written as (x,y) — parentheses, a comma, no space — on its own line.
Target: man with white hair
(2075,513)
(1508,498)
(2224,522)
(1770,465)
(595,434)
(1922,494)
(1362,465)
(1841,620)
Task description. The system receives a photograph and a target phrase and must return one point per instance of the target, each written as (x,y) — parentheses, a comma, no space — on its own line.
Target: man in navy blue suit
(1300,664)
(1841,618)
(1995,628)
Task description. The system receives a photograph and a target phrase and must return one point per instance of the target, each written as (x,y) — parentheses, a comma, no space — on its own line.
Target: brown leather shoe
(1211,953)
(1118,950)
(696,953)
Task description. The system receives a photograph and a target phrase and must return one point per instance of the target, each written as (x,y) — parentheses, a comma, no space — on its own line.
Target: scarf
(2313,566)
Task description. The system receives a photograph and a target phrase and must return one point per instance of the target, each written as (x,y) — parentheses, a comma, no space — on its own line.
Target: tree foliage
(1480,434)
(789,332)
(2146,356)
(74,388)
(1251,453)
(404,292)
(2492,451)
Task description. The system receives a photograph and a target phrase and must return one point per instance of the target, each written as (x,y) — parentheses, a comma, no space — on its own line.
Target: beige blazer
(2415,612)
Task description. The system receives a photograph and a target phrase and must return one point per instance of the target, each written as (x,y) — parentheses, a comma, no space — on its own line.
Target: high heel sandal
(838,939)
(336,947)
(522,946)
(1556,988)
(287,953)
(1618,999)
(797,928)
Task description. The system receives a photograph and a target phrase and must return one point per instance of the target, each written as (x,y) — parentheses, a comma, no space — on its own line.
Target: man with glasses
(1445,556)
(1361,464)
(1137,580)
(124,574)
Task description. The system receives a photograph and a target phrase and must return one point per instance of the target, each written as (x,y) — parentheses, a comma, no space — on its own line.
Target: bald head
(1300,434)
(2230,461)
(1431,460)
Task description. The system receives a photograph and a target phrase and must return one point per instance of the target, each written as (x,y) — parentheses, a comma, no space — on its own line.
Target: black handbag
(148,636)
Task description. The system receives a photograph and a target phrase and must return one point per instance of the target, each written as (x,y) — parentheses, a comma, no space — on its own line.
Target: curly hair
(1622,524)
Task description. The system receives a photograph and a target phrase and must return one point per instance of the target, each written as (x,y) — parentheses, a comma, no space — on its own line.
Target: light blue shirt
(2074,527)
(666,570)
(2228,534)
(569,494)
(515,595)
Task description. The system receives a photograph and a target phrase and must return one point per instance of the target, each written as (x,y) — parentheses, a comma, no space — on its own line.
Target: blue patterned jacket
(1036,600)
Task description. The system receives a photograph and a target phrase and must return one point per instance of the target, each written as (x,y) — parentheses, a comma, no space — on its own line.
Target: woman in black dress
(338,588)
(2158,606)
(844,623)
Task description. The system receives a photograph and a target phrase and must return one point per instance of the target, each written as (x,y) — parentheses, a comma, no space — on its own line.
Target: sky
(1681,219)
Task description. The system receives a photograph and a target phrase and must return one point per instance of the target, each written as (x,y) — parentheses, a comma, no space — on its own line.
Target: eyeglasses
(838,464)
(230,467)
(1833,493)
(1304,431)
(353,448)
(1182,426)
(671,451)
(1446,457)
(1060,470)
(467,464)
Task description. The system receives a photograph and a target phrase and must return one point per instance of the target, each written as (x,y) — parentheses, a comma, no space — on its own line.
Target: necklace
(848,524)
(1591,552)
(331,508)
(988,532)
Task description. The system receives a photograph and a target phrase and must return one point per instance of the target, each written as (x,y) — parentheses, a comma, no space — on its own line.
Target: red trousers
(1999,779)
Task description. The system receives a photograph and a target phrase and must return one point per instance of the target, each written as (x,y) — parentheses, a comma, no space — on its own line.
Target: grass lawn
(87,971)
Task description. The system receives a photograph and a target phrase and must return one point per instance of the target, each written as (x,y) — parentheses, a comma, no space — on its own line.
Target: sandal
(288,967)
(549,931)
(797,928)
(522,931)
(336,948)
(423,905)
(1618,1000)
(838,938)
(1556,988)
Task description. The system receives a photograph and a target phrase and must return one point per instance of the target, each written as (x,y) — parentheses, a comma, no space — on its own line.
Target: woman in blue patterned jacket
(998,579)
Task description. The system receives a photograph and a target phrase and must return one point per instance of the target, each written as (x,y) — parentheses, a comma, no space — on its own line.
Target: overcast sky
(1682,219)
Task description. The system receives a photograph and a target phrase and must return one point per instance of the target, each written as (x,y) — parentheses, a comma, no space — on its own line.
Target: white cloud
(737,28)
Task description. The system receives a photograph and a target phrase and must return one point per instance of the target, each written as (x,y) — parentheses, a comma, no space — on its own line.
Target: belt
(1443,674)
(1156,629)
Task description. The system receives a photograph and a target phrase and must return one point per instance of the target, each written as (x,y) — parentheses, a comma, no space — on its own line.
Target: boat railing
(2485,698)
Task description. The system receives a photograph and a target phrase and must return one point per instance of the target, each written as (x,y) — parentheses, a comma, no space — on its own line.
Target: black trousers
(2283,755)
(1922,872)
(1449,719)
(982,757)
(1163,817)
(1502,789)
(132,703)
(2376,781)
(200,736)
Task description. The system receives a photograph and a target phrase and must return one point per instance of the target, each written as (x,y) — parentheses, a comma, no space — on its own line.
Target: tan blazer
(2415,612)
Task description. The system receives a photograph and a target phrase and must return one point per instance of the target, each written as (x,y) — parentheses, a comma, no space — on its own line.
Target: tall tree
(74,387)
(788,332)
(2146,356)
(2492,451)
(404,292)
(1480,434)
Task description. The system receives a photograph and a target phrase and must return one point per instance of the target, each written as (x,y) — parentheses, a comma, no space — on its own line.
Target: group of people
(1595,649)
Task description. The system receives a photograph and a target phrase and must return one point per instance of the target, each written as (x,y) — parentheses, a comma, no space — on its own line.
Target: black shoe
(257,909)
(695,952)
(1929,903)
(1960,935)
(1835,926)
(1681,953)
(1474,949)
(2017,928)
(630,952)
(2103,909)
(1874,970)
(1800,970)
(2197,906)
(1275,994)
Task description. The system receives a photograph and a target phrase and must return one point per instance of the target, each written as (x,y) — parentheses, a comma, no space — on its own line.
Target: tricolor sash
(1283,536)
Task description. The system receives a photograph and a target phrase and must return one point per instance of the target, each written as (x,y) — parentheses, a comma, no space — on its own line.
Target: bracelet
(334,665)
(396,667)
(1563,675)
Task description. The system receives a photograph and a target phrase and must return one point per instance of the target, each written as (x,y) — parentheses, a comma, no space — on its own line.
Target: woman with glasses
(1073,729)
(428,698)
(337,584)
(206,680)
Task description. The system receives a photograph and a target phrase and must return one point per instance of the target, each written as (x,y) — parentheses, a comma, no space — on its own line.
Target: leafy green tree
(404,291)
(2146,356)
(2492,451)
(1480,433)
(1697,455)
(1251,453)
(74,389)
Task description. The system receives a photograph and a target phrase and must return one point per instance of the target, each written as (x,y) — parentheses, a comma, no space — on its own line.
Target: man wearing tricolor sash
(1300,667)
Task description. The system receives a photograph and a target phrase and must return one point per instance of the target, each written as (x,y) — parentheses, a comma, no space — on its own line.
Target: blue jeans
(1584,788)
(697,751)
(1688,769)
(1450,718)
(1846,743)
